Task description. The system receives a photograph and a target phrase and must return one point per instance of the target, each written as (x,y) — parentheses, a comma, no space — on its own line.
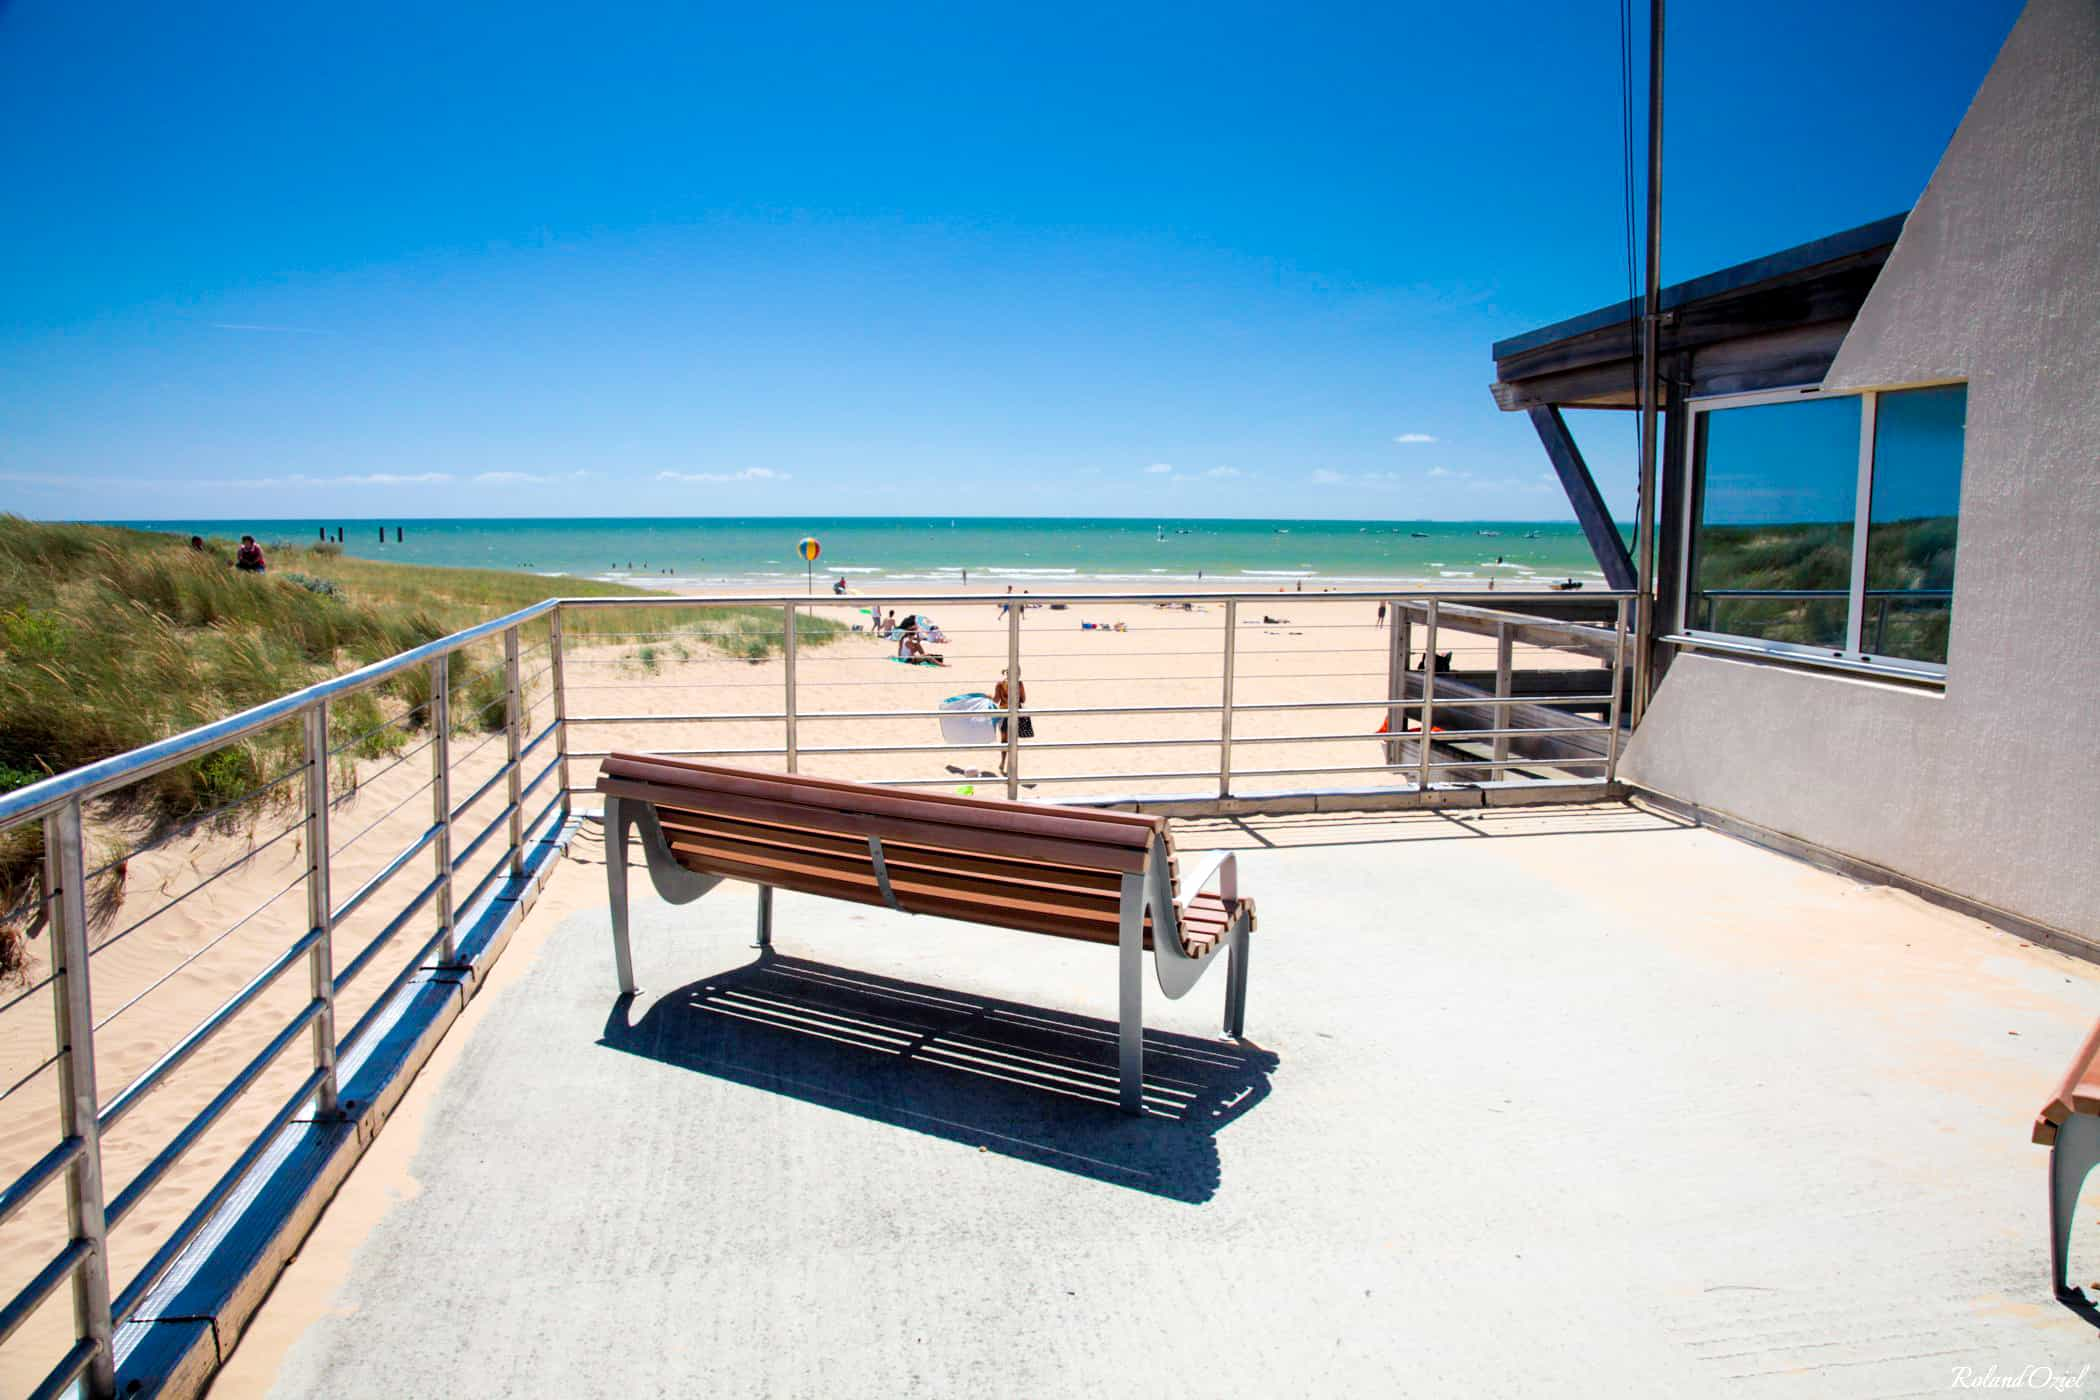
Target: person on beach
(1001,698)
(1008,604)
(838,586)
(197,543)
(912,651)
(1381,614)
(249,557)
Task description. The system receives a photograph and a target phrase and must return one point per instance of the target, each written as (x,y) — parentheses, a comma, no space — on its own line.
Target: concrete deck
(1556,1101)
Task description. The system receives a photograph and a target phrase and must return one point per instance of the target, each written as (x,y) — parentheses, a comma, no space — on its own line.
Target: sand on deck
(239,897)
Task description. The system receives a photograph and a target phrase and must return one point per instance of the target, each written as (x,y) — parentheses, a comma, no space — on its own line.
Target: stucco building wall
(1992,789)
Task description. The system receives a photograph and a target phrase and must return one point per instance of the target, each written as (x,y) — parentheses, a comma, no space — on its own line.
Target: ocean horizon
(699,552)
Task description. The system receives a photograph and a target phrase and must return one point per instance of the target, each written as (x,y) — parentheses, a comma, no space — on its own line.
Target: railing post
(78,1103)
(1505,659)
(561,706)
(513,721)
(1395,682)
(441,798)
(1013,702)
(1232,651)
(787,658)
(1428,695)
(320,906)
(1618,686)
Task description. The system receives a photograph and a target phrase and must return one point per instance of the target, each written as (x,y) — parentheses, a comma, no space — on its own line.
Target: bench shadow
(1031,1084)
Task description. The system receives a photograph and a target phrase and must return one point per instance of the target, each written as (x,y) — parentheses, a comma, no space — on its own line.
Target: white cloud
(364,479)
(1444,471)
(509,478)
(747,474)
(1412,438)
(1224,472)
(1159,469)
(1324,477)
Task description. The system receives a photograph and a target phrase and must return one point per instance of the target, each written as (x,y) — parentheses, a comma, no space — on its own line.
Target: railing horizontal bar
(1518,762)
(149,1175)
(403,718)
(495,825)
(60,1381)
(171,1249)
(94,779)
(483,791)
(369,827)
(172,973)
(386,993)
(540,738)
(488,877)
(385,936)
(191,824)
(39,1288)
(38,1176)
(527,790)
(387,872)
(236,863)
(775,716)
(928,601)
(130,1094)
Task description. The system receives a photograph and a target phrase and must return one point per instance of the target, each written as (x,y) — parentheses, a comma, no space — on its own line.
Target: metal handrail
(93,780)
(58,802)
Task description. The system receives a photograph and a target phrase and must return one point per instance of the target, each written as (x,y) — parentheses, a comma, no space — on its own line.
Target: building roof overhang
(1773,321)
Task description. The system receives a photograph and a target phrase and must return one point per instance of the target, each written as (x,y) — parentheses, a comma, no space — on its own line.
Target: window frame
(1853,656)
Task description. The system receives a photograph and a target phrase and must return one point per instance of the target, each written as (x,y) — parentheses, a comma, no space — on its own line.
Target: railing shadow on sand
(1032,1084)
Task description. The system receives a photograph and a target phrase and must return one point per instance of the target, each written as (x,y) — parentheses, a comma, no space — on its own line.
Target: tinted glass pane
(1773,554)
(1911,528)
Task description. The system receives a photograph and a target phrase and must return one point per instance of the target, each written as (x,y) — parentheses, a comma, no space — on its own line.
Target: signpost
(809,549)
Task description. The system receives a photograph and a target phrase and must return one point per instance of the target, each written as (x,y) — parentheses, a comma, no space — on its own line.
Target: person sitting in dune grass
(249,557)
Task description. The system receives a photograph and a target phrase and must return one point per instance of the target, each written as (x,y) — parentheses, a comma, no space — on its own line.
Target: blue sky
(1226,259)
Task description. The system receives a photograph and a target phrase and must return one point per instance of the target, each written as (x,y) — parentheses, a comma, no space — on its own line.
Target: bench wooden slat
(1122,829)
(1051,850)
(895,853)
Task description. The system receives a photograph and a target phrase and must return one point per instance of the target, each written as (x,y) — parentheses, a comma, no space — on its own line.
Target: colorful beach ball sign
(809,549)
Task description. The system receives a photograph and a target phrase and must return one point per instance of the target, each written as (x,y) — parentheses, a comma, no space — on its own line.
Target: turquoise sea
(696,553)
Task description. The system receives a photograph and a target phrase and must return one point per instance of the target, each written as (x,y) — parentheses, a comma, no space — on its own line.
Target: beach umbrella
(809,549)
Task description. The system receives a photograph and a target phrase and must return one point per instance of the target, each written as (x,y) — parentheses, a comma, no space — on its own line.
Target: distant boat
(1418,534)
(1491,533)
(1531,534)
(1281,530)
(1161,537)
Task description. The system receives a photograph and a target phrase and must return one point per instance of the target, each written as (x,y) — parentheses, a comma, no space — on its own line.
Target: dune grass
(111,639)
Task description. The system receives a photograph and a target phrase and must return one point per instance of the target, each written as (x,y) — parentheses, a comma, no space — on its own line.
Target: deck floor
(1546,1101)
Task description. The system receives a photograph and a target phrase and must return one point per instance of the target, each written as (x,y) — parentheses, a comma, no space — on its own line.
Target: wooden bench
(2069,1126)
(1103,877)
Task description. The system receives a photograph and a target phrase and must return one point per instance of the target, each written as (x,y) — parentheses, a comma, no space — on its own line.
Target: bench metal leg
(1236,979)
(617,822)
(765,918)
(2074,1154)
(1130,1025)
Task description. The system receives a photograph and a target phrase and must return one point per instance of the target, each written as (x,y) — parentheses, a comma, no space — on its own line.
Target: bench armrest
(1226,865)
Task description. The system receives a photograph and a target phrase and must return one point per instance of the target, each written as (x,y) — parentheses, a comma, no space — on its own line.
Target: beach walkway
(1539,1101)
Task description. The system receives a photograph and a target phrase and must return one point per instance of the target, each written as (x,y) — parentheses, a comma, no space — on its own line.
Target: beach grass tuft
(111,639)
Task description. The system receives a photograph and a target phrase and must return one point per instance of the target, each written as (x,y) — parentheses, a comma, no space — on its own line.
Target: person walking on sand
(1381,614)
(249,557)
(1001,699)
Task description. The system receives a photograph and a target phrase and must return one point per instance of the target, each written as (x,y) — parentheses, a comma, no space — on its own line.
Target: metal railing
(434,909)
(61,804)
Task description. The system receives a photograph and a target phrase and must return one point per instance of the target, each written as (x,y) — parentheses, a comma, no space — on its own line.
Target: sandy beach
(204,913)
